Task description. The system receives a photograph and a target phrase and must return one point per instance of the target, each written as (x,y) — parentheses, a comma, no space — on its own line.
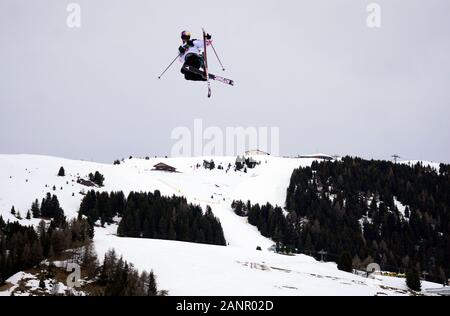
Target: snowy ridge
(27,177)
(189,268)
(412,163)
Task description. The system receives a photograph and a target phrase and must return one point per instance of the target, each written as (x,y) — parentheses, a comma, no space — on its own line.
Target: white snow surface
(31,283)
(412,163)
(24,178)
(191,268)
(199,269)
(401,208)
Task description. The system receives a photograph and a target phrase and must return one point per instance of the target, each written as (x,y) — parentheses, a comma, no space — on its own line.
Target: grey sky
(313,68)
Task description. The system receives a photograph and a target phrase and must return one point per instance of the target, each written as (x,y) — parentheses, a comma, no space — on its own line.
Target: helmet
(185,35)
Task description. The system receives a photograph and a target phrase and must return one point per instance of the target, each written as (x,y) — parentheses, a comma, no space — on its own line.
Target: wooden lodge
(164,167)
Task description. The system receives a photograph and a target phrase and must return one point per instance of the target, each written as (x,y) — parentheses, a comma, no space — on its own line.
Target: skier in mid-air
(191,55)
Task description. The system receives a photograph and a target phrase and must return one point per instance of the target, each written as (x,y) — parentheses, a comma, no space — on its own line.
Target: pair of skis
(210,75)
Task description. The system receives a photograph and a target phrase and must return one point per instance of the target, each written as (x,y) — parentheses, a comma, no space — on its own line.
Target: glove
(208,36)
(181,49)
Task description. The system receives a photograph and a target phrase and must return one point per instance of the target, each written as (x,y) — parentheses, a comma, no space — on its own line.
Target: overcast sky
(312,68)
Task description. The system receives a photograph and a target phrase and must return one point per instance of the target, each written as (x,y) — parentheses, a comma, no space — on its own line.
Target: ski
(205,61)
(211,76)
(221,79)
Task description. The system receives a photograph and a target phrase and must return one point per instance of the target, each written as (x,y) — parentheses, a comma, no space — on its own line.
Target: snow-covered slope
(412,163)
(198,269)
(189,268)
(24,178)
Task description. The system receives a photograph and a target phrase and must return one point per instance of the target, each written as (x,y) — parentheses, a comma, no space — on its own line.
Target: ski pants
(195,61)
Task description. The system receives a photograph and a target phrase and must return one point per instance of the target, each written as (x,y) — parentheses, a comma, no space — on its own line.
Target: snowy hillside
(189,268)
(412,163)
(25,178)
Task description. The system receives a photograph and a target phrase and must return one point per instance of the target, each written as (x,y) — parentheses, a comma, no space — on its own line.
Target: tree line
(151,215)
(22,247)
(117,277)
(350,208)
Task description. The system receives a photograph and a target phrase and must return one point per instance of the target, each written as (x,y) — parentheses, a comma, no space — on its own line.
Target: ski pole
(159,77)
(223,68)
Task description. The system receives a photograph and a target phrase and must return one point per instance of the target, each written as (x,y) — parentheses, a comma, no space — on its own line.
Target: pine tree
(42,283)
(90,261)
(345,262)
(13,211)
(413,279)
(61,172)
(59,219)
(28,215)
(152,287)
(97,178)
(35,209)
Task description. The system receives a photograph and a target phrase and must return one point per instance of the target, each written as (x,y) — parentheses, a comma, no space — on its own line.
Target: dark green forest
(352,206)
(25,247)
(151,215)
(22,247)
